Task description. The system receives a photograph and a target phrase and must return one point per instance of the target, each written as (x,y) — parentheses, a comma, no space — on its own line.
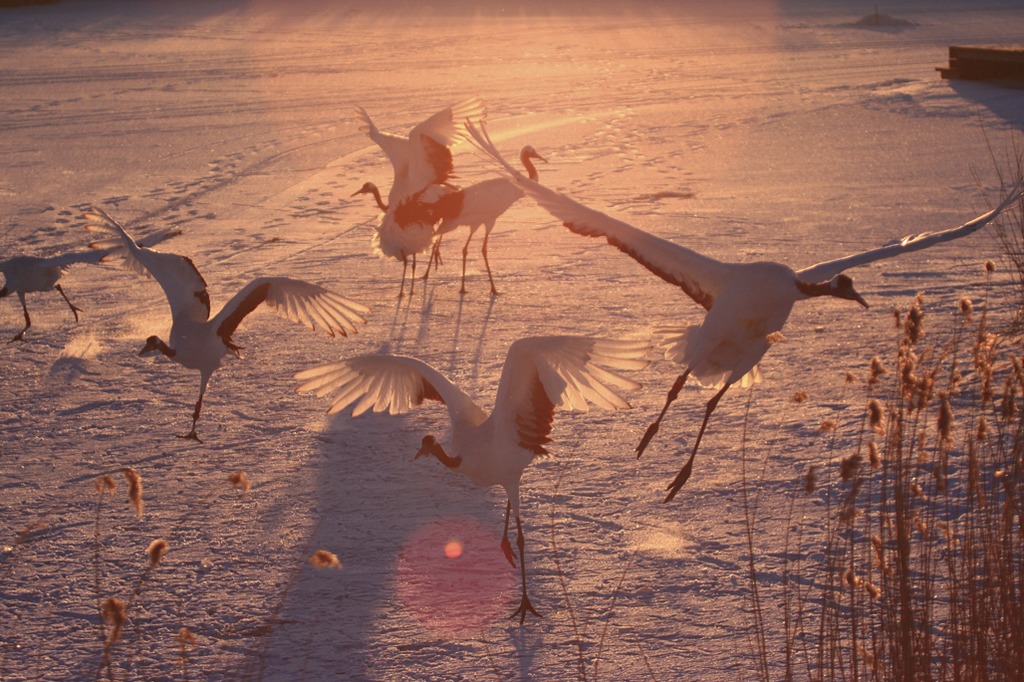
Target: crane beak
(842,287)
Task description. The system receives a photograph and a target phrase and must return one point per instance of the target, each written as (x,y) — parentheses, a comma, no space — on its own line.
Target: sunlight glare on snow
(667,541)
(82,347)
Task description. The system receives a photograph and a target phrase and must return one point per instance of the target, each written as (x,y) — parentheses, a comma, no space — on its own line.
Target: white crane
(480,204)
(747,303)
(423,167)
(198,342)
(409,230)
(25,274)
(540,373)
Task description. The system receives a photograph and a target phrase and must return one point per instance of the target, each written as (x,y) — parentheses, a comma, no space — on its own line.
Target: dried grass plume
(134,489)
(106,485)
(156,550)
(239,479)
(324,559)
(115,613)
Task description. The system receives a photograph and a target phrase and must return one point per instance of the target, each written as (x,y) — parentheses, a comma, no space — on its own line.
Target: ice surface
(761,130)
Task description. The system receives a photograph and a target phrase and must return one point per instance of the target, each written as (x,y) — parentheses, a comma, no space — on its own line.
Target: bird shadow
(456,356)
(414,326)
(372,502)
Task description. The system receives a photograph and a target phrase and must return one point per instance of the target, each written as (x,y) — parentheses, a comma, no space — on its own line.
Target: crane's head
(842,287)
(155,345)
(367,188)
(529,152)
(427,447)
(370,188)
(430,446)
(526,157)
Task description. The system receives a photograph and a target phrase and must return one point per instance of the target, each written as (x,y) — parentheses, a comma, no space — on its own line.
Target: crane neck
(815,289)
(154,343)
(531,170)
(380,202)
(526,157)
(840,286)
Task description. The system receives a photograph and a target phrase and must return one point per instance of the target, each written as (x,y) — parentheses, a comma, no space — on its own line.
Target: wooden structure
(985,63)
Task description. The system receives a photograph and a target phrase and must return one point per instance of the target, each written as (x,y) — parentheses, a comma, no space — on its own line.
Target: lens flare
(453,578)
(453,549)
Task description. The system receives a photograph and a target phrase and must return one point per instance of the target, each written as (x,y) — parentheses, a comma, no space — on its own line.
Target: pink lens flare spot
(453,549)
(453,578)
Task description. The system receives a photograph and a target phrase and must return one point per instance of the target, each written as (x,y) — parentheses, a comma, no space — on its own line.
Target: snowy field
(766,130)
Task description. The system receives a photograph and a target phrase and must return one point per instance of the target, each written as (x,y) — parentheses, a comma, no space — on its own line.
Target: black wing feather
(689,286)
(534,424)
(246,305)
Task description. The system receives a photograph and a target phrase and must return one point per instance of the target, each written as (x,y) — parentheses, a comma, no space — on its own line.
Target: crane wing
(177,275)
(448,126)
(700,277)
(66,260)
(112,246)
(391,383)
(102,250)
(396,147)
(424,157)
(294,300)
(544,372)
(915,242)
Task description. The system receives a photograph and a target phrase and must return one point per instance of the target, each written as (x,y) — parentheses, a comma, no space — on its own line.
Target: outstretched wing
(391,383)
(448,126)
(184,287)
(396,147)
(701,277)
(430,142)
(915,242)
(544,372)
(112,246)
(294,300)
(66,260)
(424,157)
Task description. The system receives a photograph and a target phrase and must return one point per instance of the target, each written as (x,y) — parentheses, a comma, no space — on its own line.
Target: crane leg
(506,546)
(20,336)
(435,257)
(465,255)
(487,236)
(405,266)
(684,473)
(74,309)
(524,603)
(192,435)
(653,428)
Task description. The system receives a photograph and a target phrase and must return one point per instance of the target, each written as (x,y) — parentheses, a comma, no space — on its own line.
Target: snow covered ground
(759,130)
